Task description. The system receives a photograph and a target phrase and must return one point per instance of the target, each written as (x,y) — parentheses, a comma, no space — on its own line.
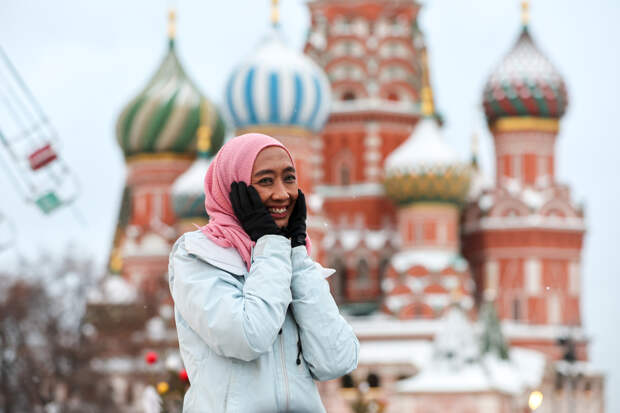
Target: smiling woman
(273,177)
(250,304)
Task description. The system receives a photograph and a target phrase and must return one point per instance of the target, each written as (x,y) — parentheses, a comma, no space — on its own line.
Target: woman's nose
(280,193)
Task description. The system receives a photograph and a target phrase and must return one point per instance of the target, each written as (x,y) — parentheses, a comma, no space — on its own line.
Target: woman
(255,318)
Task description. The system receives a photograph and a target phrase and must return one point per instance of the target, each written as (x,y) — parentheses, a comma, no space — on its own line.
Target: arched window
(373,380)
(363,274)
(343,167)
(347,382)
(345,175)
(516,309)
(383,267)
(339,280)
(348,95)
(393,96)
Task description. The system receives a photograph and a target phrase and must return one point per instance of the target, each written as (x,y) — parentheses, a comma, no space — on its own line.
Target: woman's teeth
(277,210)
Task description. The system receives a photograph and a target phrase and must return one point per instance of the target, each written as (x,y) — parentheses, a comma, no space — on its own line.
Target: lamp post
(569,356)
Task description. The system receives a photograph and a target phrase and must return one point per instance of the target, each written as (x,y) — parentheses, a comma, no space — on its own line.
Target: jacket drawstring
(298,348)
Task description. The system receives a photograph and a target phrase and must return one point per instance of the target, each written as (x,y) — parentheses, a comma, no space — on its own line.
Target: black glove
(296,228)
(251,212)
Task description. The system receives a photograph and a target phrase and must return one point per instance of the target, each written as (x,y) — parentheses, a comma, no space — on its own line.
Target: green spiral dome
(167,114)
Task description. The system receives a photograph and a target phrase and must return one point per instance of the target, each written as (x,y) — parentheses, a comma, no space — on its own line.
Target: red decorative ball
(183,375)
(150,357)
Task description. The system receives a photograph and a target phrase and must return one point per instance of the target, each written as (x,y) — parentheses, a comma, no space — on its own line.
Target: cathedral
(463,290)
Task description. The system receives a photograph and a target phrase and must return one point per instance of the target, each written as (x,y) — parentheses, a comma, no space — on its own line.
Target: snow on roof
(352,238)
(432,259)
(375,104)
(383,325)
(424,148)
(530,363)
(377,239)
(417,353)
(533,197)
(533,220)
(523,371)
(514,330)
(458,366)
(579,367)
(469,379)
(192,180)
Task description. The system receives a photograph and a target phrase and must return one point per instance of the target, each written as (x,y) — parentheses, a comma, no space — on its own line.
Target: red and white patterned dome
(525,84)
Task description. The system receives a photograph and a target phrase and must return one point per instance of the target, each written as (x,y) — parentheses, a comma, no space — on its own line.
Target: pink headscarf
(233,163)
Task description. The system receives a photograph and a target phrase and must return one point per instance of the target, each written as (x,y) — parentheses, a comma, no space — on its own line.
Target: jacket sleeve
(329,345)
(235,320)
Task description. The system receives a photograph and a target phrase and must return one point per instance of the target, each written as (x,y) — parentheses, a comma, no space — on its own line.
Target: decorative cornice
(276,130)
(516,124)
(169,156)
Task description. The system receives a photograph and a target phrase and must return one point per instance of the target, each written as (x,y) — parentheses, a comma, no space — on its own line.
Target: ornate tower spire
(172,26)
(428,107)
(525,12)
(275,13)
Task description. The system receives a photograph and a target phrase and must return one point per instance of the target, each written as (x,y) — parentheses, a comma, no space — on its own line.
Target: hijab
(233,163)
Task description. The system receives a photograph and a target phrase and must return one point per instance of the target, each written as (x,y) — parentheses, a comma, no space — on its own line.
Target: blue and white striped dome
(277,86)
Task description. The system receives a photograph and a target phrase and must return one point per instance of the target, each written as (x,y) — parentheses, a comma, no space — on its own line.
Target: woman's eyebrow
(264,172)
(271,171)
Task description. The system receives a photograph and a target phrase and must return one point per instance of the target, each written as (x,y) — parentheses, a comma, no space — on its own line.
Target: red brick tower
(371,51)
(523,238)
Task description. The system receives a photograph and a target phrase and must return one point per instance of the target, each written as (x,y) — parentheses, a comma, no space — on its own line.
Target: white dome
(188,198)
(278,86)
(425,149)
(191,182)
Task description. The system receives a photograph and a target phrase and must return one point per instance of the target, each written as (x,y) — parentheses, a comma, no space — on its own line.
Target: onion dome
(425,167)
(525,84)
(167,114)
(278,87)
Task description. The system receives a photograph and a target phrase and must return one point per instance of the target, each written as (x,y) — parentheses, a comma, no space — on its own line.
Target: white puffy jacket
(254,342)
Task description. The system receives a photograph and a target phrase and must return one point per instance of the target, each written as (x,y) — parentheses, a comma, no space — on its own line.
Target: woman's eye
(265,181)
(290,178)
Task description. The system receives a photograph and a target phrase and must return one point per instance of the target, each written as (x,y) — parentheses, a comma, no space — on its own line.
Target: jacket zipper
(230,381)
(284,369)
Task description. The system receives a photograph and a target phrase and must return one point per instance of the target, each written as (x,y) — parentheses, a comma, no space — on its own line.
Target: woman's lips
(278,213)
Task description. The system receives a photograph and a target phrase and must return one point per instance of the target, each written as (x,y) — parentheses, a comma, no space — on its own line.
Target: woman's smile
(278,212)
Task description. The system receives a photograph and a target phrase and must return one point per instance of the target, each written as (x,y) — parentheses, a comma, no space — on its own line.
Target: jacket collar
(228,259)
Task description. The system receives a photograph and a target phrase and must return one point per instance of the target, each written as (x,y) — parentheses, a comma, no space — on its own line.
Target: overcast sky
(84,60)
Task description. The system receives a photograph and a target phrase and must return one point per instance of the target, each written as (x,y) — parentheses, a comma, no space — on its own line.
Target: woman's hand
(251,212)
(296,228)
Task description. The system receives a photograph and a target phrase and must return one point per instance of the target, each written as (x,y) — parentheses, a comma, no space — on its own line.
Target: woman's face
(275,180)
